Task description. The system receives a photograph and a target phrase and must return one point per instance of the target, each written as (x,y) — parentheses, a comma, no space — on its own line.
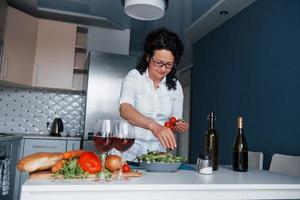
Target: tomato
(126,168)
(168,124)
(89,162)
(172,127)
(173,120)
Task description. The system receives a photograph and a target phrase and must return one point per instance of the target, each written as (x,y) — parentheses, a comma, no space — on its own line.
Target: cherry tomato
(172,127)
(126,168)
(89,162)
(173,120)
(168,124)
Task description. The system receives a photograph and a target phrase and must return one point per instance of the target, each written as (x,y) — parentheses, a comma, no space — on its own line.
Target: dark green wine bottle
(240,149)
(211,139)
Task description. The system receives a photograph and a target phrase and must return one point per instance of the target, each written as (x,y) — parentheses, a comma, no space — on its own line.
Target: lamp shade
(145,9)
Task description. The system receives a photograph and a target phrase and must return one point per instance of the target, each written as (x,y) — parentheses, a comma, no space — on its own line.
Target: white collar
(161,82)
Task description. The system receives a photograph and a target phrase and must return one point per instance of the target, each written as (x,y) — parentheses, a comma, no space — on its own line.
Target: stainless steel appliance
(57,127)
(1,55)
(106,72)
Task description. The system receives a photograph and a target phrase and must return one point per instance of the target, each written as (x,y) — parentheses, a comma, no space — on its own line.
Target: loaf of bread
(39,161)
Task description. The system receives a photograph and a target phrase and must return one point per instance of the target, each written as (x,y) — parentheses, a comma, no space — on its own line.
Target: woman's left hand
(181,126)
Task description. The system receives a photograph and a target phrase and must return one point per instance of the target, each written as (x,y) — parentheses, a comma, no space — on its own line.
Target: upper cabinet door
(19,47)
(54,59)
(3,10)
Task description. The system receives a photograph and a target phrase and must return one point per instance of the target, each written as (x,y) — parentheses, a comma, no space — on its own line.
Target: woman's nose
(163,68)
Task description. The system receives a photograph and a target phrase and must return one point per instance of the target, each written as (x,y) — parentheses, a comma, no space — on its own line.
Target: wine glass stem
(103,157)
(120,174)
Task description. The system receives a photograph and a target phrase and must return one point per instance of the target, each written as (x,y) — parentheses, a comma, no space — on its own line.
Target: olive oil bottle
(211,139)
(240,149)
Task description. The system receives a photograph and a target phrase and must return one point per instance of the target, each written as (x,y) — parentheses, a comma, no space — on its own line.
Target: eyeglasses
(158,63)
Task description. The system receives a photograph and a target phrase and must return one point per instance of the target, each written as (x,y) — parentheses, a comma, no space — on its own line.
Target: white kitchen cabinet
(73,145)
(3,11)
(54,59)
(19,47)
(35,144)
(32,146)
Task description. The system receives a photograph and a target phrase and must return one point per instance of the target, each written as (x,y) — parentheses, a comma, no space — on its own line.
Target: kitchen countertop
(15,136)
(48,137)
(5,137)
(182,184)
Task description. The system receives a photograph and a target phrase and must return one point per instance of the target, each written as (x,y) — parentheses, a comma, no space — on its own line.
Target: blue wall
(250,66)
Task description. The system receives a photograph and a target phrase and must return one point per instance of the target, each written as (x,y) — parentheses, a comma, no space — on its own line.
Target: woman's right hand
(164,134)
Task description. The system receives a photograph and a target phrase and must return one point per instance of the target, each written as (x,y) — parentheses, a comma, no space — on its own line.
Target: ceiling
(191,19)
(104,13)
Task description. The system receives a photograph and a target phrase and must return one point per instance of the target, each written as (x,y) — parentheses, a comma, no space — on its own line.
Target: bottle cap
(240,122)
(205,156)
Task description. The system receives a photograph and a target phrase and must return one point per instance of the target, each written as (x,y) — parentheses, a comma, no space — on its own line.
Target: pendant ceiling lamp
(145,9)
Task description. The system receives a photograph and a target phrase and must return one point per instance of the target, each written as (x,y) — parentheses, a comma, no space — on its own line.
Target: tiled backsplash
(29,110)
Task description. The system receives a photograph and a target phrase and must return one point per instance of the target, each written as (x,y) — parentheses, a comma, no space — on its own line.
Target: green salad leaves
(162,157)
(72,170)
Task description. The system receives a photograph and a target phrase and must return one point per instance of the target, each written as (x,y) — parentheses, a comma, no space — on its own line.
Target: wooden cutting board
(49,175)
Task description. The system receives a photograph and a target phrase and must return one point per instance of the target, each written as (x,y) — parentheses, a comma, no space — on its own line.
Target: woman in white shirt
(151,94)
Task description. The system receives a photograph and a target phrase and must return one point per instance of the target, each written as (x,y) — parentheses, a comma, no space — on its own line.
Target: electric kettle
(57,127)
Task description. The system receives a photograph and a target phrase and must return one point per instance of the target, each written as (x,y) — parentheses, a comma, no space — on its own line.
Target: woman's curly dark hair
(162,39)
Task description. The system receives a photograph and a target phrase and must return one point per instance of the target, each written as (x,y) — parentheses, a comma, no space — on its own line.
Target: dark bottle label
(240,161)
(211,147)
(211,141)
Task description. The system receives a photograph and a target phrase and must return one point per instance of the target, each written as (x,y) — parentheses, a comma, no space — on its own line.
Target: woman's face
(160,64)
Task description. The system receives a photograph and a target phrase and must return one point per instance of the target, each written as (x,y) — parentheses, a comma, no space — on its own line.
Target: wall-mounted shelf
(80,71)
(80,49)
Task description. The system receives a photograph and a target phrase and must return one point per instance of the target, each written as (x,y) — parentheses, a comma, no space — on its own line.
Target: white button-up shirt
(158,104)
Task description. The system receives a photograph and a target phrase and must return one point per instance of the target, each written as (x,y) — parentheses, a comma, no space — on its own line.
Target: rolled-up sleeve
(129,88)
(178,102)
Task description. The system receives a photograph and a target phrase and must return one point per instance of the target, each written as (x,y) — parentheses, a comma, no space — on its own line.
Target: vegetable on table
(126,168)
(89,162)
(58,165)
(113,163)
(71,170)
(157,156)
(73,154)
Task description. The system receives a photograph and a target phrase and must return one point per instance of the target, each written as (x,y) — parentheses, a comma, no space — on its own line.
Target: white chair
(285,164)
(255,160)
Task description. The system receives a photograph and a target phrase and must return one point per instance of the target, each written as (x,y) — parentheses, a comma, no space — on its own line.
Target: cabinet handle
(4,67)
(36,74)
(44,147)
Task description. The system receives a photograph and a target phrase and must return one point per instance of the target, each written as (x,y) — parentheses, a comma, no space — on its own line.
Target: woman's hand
(164,134)
(181,126)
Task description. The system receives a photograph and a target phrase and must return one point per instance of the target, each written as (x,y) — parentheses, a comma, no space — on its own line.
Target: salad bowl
(160,167)
(155,161)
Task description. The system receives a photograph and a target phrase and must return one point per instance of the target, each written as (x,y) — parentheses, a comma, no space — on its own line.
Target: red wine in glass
(104,144)
(104,140)
(123,144)
(125,137)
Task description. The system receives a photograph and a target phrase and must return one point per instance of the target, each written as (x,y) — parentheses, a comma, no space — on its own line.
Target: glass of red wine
(125,137)
(104,140)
